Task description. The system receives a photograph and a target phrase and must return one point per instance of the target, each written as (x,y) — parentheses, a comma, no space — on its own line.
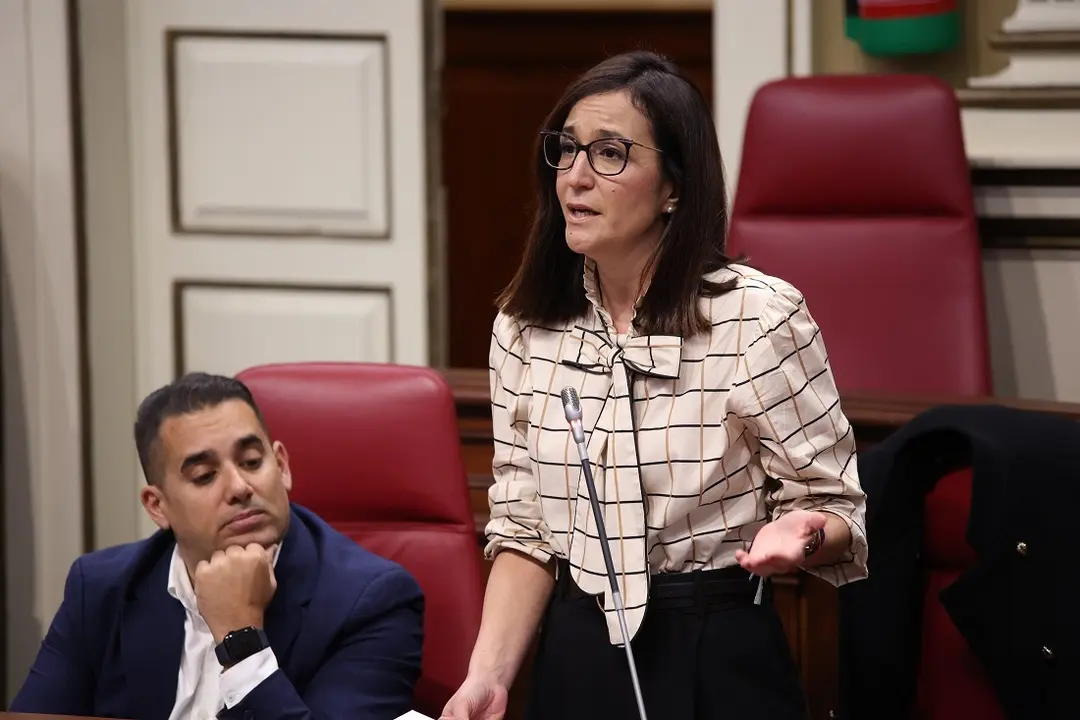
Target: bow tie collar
(650,355)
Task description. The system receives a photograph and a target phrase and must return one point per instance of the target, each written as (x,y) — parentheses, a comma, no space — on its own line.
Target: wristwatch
(240,645)
(815,543)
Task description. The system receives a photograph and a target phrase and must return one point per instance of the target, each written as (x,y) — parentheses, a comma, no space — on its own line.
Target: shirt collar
(180,586)
(591,280)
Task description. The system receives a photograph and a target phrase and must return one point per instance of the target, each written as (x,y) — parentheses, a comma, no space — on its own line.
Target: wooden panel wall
(504,71)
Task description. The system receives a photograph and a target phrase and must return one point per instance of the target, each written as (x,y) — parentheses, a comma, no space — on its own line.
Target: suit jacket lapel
(152,626)
(296,572)
(152,643)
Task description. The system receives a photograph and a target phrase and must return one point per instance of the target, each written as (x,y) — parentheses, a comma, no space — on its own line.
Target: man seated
(241,605)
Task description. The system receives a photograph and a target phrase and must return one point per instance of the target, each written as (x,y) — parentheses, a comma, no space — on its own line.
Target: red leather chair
(950,682)
(856,189)
(375,451)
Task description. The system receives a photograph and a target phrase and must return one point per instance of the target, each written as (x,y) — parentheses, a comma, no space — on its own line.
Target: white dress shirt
(695,443)
(203,687)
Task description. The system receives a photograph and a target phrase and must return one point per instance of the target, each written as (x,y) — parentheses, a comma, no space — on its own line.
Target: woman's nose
(580,172)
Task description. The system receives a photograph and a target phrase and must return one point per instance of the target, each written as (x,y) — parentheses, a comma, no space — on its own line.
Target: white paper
(413,715)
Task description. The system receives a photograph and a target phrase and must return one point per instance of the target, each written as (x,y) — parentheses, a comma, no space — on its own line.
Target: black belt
(702,591)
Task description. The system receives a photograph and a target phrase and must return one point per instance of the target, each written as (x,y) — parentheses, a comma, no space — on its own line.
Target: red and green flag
(902,27)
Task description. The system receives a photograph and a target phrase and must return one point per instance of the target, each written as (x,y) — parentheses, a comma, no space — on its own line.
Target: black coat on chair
(1018,611)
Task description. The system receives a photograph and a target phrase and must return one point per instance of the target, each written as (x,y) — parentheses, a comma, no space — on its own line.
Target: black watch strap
(241,644)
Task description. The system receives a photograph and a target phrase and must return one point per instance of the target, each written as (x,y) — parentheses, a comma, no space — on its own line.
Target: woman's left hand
(780,546)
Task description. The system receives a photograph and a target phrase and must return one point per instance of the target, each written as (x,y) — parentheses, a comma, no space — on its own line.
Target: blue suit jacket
(346,627)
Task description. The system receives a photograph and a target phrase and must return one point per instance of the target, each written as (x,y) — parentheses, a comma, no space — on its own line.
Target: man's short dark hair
(188,394)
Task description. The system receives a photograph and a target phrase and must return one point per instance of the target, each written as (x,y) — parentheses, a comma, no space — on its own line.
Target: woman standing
(719,450)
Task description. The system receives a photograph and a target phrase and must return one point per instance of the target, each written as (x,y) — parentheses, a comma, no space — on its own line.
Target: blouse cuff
(852,566)
(534,549)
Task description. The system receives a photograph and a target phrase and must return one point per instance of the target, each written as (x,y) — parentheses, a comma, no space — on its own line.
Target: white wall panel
(41,444)
(226,329)
(281,135)
(751,46)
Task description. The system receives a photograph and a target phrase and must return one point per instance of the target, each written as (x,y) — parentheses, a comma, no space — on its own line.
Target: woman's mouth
(580,213)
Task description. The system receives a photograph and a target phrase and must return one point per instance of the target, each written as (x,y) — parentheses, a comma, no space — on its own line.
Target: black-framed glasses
(607,156)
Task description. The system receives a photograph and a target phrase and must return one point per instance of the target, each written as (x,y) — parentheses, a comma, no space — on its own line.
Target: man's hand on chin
(234,587)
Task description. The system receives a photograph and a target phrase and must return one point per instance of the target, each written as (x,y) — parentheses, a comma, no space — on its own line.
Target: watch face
(243,643)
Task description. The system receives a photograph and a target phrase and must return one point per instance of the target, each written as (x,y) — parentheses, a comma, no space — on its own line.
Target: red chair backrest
(375,451)
(950,682)
(856,189)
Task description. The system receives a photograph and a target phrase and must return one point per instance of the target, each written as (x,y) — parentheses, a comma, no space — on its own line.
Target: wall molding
(612,5)
(753,44)
(1014,136)
(42,415)
(1042,98)
(1042,42)
(1027,208)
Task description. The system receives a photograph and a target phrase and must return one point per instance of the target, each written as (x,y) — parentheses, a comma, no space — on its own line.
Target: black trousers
(704,651)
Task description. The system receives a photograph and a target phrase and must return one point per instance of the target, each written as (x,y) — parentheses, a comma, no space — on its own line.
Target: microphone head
(571,404)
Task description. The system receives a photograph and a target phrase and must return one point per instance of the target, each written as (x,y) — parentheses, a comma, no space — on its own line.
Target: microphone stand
(572,408)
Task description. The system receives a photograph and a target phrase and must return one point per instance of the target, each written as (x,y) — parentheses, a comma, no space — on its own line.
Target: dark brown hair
(188,394)
(547,287)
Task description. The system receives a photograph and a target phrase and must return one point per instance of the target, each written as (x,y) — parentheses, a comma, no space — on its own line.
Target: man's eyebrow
(249,441)
(198,458)
(203,456)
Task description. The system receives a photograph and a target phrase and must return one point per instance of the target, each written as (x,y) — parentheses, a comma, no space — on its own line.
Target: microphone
(572,408)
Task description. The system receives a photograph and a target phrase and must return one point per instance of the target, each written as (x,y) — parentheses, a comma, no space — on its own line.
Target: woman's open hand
(780,546)
(478,698)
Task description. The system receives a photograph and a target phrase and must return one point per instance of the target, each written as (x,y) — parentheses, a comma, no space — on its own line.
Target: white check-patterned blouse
(694,443)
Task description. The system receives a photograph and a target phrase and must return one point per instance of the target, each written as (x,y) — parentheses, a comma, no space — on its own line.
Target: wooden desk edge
(798,597)
(865,410)
(470,389)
